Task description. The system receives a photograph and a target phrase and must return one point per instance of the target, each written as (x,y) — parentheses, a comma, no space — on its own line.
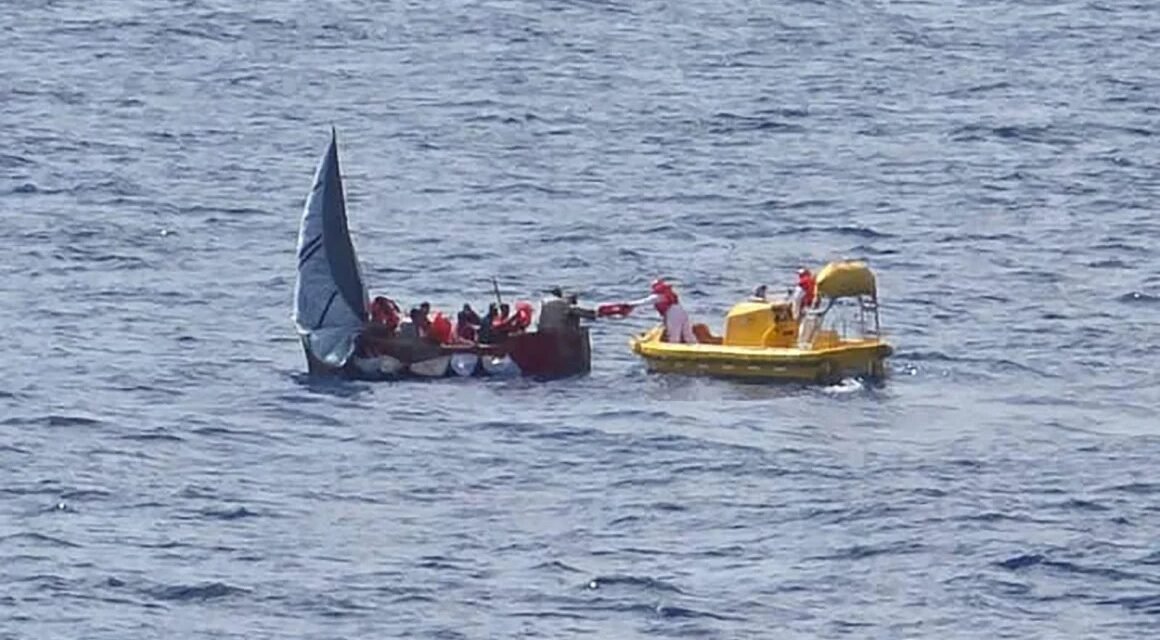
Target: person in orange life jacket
(524,314)
(440,329)
(519,321)
(678,327)
(806,292)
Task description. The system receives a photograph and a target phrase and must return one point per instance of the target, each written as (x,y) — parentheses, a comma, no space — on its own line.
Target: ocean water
(167,469)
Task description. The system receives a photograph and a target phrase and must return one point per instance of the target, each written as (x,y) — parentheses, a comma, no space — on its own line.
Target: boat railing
(861,317)
(868,307)
(811,322)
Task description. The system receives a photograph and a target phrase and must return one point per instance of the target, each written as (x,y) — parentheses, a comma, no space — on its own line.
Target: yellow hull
(847,359)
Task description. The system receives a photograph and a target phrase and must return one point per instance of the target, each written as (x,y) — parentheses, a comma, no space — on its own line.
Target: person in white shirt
(678,326)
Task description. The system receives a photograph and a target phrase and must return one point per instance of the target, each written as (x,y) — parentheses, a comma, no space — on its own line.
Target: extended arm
(652,299)
(581,312)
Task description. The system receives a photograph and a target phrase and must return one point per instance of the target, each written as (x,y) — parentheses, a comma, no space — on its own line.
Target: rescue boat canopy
(846,279)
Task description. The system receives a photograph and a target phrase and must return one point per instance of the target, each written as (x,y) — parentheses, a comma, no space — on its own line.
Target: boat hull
(542,355)
(552,354)
(438,367)
(499,366)
(865,358)
(464,365)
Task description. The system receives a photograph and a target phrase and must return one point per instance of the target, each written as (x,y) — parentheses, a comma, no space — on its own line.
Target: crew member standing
(562,313)
(678,327)
(806,292)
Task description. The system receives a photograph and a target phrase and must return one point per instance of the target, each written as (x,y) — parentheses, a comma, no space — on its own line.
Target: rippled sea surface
(167,469)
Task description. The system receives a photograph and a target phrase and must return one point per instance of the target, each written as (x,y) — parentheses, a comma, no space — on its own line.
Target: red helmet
(660,286)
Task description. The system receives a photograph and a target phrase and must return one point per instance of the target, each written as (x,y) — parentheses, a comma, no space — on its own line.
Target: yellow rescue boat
(839,336)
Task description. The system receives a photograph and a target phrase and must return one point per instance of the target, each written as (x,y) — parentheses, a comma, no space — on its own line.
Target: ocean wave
(863,552)
(54,420)
(1027,561)
(995,516)
(633,582)
(153,436)
(1149,604)
(725,123)
(37,539)
(986,87)
(674,611)
(236,513)
(1136,488)
(1039,134)
(1081,505)
(556,565)
(25,189)
(1136,297)
(200,592)
(849,230)
(659,610)
(1016,563)
(85,494)
(1000,364)
(9,161)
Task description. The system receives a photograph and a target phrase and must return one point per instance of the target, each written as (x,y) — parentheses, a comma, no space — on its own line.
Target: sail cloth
(330,298)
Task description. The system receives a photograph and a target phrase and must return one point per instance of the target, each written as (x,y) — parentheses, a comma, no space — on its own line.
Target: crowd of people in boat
(501,321)
(558,312)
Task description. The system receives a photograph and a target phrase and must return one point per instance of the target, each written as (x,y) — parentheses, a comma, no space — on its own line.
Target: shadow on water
(332,386)
(750,389)
(338,387)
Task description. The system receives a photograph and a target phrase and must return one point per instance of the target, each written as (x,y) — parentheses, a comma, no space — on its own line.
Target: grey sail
(330,298)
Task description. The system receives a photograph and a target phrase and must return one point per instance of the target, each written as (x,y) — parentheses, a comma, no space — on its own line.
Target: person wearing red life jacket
(524,313)
(678,326)
(806,292)
(519,321)
(440,330)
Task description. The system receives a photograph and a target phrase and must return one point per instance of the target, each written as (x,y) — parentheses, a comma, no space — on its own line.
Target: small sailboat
(330,298)
(331,312)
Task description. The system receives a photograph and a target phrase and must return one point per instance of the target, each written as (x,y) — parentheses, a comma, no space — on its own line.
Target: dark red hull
(552,354)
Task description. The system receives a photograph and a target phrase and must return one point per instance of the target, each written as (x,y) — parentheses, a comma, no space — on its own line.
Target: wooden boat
(764,340)
(331,312)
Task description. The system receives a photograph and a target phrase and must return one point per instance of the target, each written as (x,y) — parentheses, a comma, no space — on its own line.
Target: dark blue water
(166,469)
